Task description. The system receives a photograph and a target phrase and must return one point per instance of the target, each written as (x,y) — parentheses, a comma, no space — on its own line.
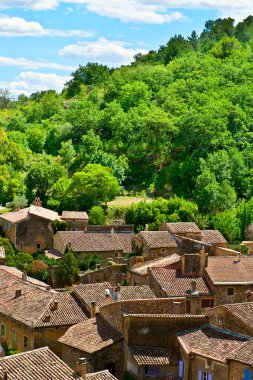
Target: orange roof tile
(211,342)
(155,355)
(158,239)
(91,336)
(226,269)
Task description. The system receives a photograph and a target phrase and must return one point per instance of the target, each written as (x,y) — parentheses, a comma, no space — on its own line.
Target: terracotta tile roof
(135,293)
(243,311)
(211,342)
(182,227)
(18,216)
(102,375)
(142,269)
(176,284)
(158,239)
(155,355)
(125,240)
(34,365)
(91,336)
(35,302)
(91,242)
(79,215)
(244,354)
(69,311)
(212,237)
(18,273)
(88,293)
(226,269)
(107,228)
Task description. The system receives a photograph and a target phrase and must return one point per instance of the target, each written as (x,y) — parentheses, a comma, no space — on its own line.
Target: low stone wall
(114,312)
(114,274)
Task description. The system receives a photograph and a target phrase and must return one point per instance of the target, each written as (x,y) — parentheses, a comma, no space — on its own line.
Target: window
(181,369)
(3,330)
(14,336)
(38,245)
(163,250)
(207,303)
(230,291)
(202,375)
(25,341)
(152,370)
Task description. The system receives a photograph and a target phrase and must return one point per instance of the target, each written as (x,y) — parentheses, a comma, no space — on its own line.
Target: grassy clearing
(128,201)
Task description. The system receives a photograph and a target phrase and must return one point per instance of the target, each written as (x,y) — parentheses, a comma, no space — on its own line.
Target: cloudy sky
(43,41)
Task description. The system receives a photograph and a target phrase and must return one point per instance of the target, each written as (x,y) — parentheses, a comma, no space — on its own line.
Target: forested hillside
(177,121)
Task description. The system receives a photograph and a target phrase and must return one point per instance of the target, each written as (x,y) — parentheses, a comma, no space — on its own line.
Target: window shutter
(199,375)
(247,374)
(210,376)
(181,368)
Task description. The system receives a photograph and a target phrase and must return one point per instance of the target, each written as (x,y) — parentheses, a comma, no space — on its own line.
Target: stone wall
(48,337)
(221,297)
(107,358)
(34,234)
(223,251)
(221,317)
(113,274)
(155,330)
(237,369)
(114,312)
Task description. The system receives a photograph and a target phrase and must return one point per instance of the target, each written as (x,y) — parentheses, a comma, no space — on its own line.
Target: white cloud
(19,27)
(29,82)
(24,63)
(36,5)
(111,53)
(143,11)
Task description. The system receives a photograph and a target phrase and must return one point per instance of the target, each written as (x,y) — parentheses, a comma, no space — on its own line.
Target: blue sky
(43,41)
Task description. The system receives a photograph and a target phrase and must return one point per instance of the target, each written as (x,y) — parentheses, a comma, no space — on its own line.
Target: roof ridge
(45,348)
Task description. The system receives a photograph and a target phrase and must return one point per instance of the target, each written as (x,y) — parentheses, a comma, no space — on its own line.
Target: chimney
(55,305)
(37,202)
(93,309)
(5,375)
(46,318)
(24,276)
(183,264)
(18,293)
(112,231)
(193,287)
(107,298)
(81,367)
(238,257)
(146,227)
(248,295)
(69,244)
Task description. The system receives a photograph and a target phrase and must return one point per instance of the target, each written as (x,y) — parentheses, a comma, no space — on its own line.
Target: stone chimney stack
(81,367)
(248,295)
(93,309)
(55,305)
(238,257)
(24,276)
(112,231)
(18,293)
(146,227)
(37,202)
(193,287)
(107,298)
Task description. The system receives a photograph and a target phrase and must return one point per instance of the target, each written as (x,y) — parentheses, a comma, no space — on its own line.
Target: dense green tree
(68,267)
(96,215)
(93,185)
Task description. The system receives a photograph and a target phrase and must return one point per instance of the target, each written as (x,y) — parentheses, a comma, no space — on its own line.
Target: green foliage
(59,225)
(90,261)
(92,186)
(23,261)
(228,224)
(18,201)
(68,267)
(10,350)
(9,251)
(96,215)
